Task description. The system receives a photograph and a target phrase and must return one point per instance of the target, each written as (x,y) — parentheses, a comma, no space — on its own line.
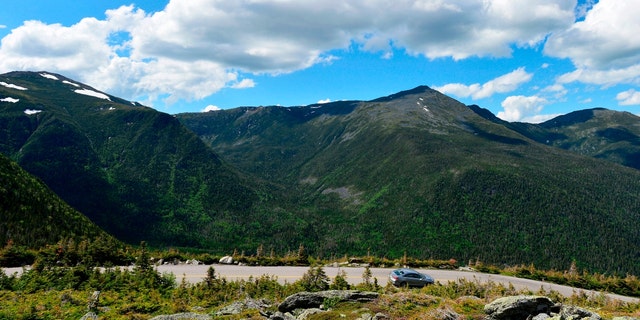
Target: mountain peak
(417,90)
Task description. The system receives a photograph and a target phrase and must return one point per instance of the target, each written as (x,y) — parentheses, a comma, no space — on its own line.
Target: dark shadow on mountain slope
(619,134)
(628,159)
(495,137)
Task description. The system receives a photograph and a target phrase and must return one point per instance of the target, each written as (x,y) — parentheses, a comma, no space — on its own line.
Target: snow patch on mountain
(49,76)
(9,99)
(12,86)
(92,93)
(30,111)
(71,83)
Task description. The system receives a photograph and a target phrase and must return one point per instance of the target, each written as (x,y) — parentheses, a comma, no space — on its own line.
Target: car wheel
(402,285)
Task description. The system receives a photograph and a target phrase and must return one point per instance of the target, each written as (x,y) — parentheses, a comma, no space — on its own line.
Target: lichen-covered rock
(517,307)
(282,316)
(240,306)
(309,312)
(535,308)
(444,314)
(575,313)
(307,300)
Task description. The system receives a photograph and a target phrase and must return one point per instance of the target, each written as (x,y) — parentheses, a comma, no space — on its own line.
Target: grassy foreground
(65,293)
(64,277)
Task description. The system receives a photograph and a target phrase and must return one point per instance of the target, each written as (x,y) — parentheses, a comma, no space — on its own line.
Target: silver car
(409,278)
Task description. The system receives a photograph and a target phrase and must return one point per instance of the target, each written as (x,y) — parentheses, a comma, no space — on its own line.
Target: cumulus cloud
(324,101)
(628,98)
(211,108)
(193,48)
(523,108)
(604,47)
(501,84)
(244,83)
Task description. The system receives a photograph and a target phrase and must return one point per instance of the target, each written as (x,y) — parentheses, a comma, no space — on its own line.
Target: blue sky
(525,60)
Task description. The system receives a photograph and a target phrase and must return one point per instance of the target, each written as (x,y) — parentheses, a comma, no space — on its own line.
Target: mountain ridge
(414,173)
(427,157)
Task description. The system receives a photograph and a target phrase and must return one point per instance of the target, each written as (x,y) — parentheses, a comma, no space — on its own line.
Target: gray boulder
(240,306)
(309,312)
(517,307)
(307,300)
(226,260)
(535,308)
(282,316)
(575,313)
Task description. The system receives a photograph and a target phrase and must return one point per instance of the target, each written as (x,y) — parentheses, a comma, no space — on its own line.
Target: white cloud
(538,118)
(244,83)
(211,108)
(628,98)
(324,101)
(605,78)
(501,84)
(558,90)
(193,48)
(604,47)
(523,108)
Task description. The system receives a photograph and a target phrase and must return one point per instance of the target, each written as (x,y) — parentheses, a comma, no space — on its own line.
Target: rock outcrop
(534,308)
(517,307)
(240,306)
(307,300)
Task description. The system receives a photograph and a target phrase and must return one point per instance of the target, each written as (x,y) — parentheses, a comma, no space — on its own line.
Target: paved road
(354,275)
(196,273)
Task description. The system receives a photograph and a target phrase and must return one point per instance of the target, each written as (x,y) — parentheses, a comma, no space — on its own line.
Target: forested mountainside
(414,173)
(136,172)
(32,215)
(420,172)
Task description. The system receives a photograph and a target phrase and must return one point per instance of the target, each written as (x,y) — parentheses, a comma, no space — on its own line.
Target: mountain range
(414,173)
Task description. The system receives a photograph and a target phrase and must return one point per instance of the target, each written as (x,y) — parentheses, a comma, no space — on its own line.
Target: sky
(524,60)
